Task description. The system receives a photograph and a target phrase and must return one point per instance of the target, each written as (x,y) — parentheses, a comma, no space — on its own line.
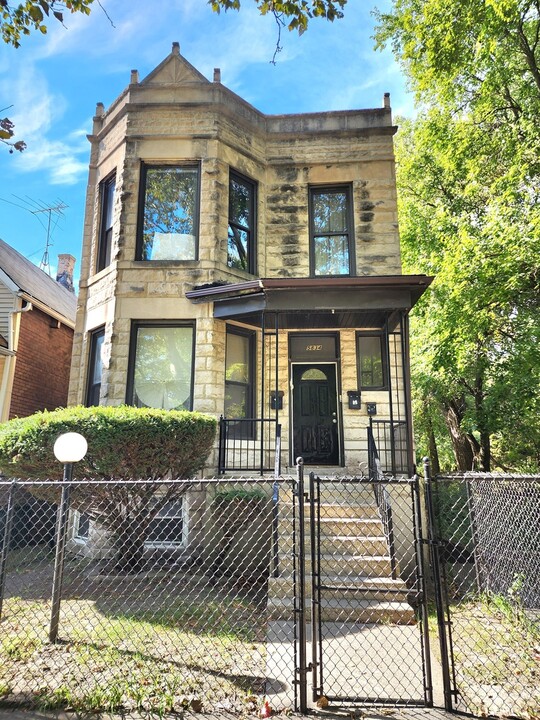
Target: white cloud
(37,114)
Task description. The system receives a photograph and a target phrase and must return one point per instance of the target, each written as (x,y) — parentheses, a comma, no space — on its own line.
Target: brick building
(248,266)
(37,318)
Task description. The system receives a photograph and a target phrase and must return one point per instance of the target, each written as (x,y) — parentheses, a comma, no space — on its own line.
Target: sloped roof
(35,283)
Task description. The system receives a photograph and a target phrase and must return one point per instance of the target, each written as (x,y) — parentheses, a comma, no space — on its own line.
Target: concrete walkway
(360,660)
(343,714)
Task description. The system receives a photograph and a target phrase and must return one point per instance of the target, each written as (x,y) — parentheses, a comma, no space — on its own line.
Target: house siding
(7,305)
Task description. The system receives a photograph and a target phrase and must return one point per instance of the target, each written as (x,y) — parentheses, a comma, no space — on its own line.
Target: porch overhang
(315,302)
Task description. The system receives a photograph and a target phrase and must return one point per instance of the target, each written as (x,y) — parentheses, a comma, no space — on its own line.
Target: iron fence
(249,445)
(390,438)
(368,639)
(486,542)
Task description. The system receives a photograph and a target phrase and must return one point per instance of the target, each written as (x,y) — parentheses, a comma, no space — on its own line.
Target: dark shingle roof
(34,282)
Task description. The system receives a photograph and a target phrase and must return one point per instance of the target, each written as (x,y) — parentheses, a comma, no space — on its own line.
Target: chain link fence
(217,594)
(158,603)
(487,544)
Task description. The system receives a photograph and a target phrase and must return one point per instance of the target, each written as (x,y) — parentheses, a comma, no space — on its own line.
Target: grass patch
(21,647)
(152,646)
(496,654)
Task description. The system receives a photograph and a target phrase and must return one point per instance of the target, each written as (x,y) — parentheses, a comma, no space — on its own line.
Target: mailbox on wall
(276,400)
(354,399)
(371,408)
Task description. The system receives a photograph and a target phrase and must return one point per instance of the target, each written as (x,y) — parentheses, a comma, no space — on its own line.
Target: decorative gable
(174,70)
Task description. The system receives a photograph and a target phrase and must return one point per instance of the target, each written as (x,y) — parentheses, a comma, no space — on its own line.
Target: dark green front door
(315,420)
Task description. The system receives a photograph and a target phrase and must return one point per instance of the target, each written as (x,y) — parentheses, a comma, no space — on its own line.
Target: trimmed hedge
(123,442)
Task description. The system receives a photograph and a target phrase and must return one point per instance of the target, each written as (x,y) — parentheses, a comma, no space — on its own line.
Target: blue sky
(54,81)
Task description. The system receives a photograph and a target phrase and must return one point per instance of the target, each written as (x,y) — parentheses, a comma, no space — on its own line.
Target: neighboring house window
(239,372)
(81,526)
(95,367)
(241,236)
(161,366)
(168,527)
(107,191)
(372,365)
(331,230)
(168,224)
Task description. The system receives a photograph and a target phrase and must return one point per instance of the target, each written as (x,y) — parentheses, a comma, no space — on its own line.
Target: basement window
(168,527)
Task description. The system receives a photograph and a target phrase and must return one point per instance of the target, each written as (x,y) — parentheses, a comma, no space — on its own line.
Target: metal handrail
(382,498)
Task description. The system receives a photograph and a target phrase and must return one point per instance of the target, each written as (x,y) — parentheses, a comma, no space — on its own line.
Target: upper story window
(372,365)
(95,367)
(331,231)
(241,235)
(106,193)
(168,225)
(161,365)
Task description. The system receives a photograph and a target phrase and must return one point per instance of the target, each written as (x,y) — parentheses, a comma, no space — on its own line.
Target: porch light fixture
(69,448)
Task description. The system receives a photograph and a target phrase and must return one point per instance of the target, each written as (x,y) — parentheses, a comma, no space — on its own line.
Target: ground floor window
(161,365)
(371,359)
(95,367)
(239,374)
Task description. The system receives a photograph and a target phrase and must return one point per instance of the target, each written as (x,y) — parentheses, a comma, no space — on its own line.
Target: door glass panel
(313,374)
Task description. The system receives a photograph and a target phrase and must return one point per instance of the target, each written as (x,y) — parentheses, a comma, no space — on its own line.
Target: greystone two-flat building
(247,266)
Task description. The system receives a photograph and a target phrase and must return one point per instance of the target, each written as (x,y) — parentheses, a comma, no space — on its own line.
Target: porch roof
(366,301)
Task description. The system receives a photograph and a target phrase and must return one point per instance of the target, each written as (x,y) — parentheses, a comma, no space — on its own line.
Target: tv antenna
(48,217)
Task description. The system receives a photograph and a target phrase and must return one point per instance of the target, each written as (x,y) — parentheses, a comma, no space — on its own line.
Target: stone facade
(174,117)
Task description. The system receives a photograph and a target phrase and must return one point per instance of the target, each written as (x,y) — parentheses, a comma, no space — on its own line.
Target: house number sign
(313,347)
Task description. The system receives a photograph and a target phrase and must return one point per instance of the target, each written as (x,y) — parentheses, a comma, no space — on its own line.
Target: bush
(123,442)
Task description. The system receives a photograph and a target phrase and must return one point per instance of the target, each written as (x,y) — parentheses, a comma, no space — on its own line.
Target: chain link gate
(360,598)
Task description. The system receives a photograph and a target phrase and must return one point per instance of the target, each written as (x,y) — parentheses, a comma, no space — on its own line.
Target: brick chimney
(64,275)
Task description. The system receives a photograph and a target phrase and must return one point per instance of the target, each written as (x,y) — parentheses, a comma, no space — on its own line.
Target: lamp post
(69,448)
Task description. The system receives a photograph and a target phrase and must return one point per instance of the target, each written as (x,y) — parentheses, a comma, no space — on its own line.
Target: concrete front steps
(349,611)
(355,564)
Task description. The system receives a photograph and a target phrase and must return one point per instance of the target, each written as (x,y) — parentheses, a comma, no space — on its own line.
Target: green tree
(468,181)
(295,14)
(21,19)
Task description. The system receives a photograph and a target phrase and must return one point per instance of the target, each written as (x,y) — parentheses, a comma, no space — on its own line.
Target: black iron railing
(390,437)
(249,445)
(382,498)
